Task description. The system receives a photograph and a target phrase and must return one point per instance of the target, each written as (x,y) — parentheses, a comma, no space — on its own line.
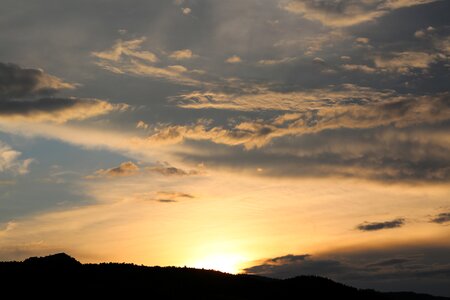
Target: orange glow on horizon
(223,262)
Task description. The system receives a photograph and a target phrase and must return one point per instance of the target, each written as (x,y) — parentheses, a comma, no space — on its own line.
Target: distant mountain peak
(58,259)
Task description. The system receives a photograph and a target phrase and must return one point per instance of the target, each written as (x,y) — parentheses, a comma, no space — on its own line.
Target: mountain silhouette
(61,276)
(59,260)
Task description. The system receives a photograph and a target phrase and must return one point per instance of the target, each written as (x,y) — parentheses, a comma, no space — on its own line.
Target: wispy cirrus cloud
(129,48)
(272,62)
(127,57)
(335,13)
(59,110)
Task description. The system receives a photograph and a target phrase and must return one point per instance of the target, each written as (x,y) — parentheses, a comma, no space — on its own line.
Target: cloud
(389,262)
(344,13)
(290,258)
(17,82)
(287,121)
(310,44)
(437,39)
(318,60)
(423,33)
(142,124)
(272,62)
(375,226)
(10,161)
(21,98)
(171,197)
(441,218)
(233,59)
(127,57)
(186,10)
(359,68)
(348,112)
(348,106)
(162,196)
(281,267)
(248,134)
(387,269)
(362,40)
(181,54)
(129,48)
(127,168)
(261,98)
(172,171)
(380,134)
(405,62)
(57,110)
(89,137)
(408,155)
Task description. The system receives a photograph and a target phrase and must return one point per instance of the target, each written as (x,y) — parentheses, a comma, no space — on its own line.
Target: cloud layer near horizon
(402,267)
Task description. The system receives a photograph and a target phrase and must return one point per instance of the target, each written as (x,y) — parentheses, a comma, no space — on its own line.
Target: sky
(268,137)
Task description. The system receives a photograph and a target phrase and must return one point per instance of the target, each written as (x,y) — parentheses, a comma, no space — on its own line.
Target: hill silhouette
(61,276)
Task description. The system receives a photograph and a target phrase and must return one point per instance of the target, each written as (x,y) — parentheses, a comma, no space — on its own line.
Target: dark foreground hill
(61,276)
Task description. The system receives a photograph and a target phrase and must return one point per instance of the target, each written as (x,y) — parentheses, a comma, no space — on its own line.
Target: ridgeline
(61,276)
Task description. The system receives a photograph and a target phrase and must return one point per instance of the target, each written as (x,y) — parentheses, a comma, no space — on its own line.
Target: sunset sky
(270,137)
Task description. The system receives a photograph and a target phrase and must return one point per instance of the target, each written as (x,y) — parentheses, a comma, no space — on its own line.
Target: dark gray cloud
(389,262)
(171,197)
(167,200)
(306,266)
(289,258)
(441,218)
(375,226)
(417,268)
(17,82)
(21,89)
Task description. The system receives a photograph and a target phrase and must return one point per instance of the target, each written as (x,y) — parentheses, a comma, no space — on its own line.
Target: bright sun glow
(229,263)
